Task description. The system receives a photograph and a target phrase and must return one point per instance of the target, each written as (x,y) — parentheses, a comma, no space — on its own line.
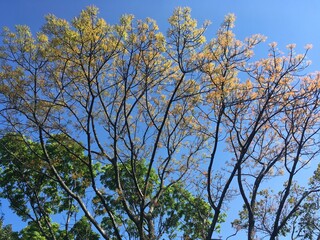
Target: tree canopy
(124,132)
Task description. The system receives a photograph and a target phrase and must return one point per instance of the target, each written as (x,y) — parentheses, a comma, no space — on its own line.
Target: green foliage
(82,231)
(6,232)
(308,215)
(177,208)
(33,232)
(30,186)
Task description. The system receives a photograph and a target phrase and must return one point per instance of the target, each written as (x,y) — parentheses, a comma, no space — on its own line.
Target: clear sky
(283,21)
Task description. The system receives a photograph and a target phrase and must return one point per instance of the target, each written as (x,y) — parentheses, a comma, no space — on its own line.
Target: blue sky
(283,21)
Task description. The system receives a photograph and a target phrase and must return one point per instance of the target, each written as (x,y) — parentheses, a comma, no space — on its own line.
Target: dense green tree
(32,191)
(176,209)
(6,232)
(82,230)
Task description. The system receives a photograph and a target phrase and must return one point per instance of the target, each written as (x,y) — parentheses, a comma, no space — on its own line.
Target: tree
(30,188)
(6,232)
(123,129)
(82,230)
(307,216)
